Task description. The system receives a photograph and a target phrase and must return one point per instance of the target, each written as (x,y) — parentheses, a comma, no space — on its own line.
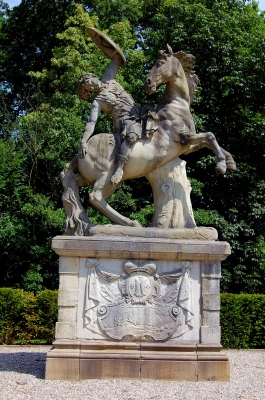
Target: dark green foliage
(25,318)
(228,40)
(26,42)
(44,49)
(242,321)
(12,303)
(47,311)
(28,218)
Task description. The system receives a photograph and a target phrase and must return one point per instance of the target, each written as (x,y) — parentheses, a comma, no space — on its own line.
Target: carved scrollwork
(102,310)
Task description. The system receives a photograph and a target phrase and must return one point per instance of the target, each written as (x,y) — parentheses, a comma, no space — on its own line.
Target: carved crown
(130,267)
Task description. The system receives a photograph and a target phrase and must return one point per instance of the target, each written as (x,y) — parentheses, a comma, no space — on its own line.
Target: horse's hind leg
(102,189)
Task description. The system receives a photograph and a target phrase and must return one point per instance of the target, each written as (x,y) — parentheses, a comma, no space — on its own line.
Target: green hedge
(26,318)
(242,321)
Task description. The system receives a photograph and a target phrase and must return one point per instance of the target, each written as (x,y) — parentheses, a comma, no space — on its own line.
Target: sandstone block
(214,371)
(210,334)
(68,281)
(69,264)
(210,286)
(67,298)
(211,301)
(211,318)
(211,269)
(62,369)
(65,330)
(169,370)
(67,314)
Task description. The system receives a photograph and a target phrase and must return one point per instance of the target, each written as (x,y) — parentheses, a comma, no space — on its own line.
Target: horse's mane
(187,61)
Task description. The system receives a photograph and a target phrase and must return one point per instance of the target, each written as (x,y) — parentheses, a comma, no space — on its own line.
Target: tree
(27,38)
(43,145)
(228,40)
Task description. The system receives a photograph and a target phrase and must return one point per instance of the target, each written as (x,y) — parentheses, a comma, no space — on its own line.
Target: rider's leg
(122,158)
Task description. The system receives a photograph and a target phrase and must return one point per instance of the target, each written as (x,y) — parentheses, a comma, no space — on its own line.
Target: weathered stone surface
(67,298)
(115,368)
(211,318)
(68,281)
(132,300)
(65,330)
(66,369)
(210,334)
(211,269)
(169,370)
(68,265)
(199,233)
(167,294)
(67,314)
(78,360)
(171,193)
(211,301)
(216,371)
(158,266)
(117,247)
(210,285)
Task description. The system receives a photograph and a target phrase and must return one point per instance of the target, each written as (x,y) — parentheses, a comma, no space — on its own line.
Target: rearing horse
(175,69)
(176,135)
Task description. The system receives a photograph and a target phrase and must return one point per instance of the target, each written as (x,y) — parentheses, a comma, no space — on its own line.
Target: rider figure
(127,116)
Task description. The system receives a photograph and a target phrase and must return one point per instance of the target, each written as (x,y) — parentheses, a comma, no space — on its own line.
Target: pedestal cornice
(145,248)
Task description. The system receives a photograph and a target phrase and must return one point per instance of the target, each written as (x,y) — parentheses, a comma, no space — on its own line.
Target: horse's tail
(77,222)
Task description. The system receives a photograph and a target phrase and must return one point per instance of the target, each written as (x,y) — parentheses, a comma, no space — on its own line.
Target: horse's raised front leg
(102,189)
(207,140)
(230,162)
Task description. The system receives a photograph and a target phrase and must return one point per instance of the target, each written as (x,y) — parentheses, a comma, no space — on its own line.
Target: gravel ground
(22,377)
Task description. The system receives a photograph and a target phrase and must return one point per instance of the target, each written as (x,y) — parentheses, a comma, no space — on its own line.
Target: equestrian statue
(146,142)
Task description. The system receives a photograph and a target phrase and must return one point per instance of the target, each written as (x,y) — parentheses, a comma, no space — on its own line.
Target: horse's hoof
(221,167)
(136,224)
(231,165)
(116,178)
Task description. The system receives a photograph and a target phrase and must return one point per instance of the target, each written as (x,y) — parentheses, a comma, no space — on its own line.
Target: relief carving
(138,304)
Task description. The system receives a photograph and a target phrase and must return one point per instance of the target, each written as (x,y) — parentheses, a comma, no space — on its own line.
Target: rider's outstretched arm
(89,129)
(112,69)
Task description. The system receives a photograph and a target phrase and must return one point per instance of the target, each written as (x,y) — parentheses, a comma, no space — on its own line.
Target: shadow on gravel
(24,363)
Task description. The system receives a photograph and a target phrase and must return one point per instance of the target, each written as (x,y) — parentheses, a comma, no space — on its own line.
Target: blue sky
(13,3)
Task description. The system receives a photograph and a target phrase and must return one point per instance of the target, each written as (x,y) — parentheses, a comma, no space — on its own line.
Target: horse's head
(170,66)
(163,70)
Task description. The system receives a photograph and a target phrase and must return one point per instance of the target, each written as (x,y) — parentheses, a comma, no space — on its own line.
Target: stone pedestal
(139,308)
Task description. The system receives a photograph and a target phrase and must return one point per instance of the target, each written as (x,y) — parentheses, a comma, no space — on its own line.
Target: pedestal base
(78,360)
(135,307)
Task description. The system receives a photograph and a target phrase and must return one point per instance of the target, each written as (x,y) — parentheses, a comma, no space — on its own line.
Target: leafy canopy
(45,49)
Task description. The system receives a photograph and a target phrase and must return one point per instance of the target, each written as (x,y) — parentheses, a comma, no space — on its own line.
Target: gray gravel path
(22,377)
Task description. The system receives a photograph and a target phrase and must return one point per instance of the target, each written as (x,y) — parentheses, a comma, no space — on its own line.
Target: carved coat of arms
(138,304)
